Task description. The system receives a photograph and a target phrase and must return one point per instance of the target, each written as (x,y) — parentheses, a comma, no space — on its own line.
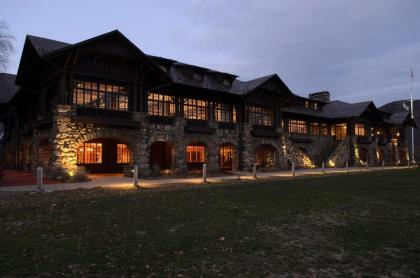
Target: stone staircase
(327,151)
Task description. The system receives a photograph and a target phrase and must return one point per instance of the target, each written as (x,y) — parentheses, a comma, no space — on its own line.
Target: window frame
(224,112)
(99,94)
(195,109)
(86,158)
(161,105)
(260,115)
(298,127)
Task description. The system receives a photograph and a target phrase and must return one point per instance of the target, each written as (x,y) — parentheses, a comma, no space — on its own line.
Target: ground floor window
(195,154)
(89,153)
(123,154)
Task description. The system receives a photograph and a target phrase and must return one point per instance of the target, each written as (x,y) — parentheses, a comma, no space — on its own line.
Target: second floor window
(161,105)
(260,116)
(100,95)
(196,109)
(225,113)
(296,126)
(359,129)
(339,131)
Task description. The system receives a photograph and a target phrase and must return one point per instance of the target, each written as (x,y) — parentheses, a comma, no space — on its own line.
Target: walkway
(113,181)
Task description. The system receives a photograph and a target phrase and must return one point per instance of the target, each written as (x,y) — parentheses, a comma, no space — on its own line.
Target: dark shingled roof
(44,46)
(7,87)
(333,110)
(397,118)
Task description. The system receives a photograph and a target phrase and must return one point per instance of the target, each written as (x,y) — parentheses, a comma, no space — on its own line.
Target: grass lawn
(349,224)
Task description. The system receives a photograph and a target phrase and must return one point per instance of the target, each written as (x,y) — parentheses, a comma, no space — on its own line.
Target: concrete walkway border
(125,182)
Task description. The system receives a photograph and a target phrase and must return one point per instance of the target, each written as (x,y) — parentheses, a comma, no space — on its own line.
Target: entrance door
(225,157)
(160,155)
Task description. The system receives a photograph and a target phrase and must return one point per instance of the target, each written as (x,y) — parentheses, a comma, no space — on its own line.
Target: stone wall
(56,148)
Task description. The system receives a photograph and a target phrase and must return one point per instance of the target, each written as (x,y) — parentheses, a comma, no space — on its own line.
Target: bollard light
(367,165)
(293,169)
(383,164)
(136,176)
(204,172)
(254,170)
(40,178)
(347,165)
(323,167)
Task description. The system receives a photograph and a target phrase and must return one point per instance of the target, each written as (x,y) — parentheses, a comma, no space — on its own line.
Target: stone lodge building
(105,105)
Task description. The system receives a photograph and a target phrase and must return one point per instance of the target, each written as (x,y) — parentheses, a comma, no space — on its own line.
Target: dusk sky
(358,50)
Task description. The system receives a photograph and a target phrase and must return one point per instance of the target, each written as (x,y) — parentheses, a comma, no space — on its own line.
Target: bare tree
(6,45)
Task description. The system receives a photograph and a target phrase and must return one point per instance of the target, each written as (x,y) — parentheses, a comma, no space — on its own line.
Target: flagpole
(412,116)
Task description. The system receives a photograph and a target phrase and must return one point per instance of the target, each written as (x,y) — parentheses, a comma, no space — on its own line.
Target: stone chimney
(323,96)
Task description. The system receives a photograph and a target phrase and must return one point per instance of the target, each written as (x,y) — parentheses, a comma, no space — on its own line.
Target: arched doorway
(265,156)
(226,152)
(196,155)
(103,155)
(160,156)
(363,155)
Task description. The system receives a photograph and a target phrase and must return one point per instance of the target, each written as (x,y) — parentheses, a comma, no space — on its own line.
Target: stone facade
(55,148)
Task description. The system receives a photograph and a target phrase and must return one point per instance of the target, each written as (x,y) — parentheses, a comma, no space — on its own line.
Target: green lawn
(350,224)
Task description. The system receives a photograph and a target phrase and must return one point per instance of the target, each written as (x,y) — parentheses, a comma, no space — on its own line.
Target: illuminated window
(315,128)
(161,105)
(196,109)
(324,129)
(296,126)
(89,153)
(100,95)
(315,106)
(306,104)
(265,156)
(359,129)
(195,154)
(339,131)
(225,113)
(260,116)
(123,154)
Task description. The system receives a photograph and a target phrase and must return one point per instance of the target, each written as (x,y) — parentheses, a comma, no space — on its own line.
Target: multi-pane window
(260,115)
(315,128)
(359,129)
(123,154)
(89,153)
(225,113)
(196,109)
(161,105)
(339,131)
(195,154)
(98,94)
(296,126)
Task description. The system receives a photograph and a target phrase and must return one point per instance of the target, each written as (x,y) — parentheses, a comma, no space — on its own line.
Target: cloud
(356,49)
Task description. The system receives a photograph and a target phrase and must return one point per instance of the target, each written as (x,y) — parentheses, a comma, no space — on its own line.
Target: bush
(79,175)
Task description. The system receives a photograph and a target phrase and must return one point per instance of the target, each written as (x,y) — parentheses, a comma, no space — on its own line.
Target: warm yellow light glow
(71,173)
(331,163)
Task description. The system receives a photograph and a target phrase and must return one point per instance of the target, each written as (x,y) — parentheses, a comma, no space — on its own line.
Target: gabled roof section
(7,87)
(45,46)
